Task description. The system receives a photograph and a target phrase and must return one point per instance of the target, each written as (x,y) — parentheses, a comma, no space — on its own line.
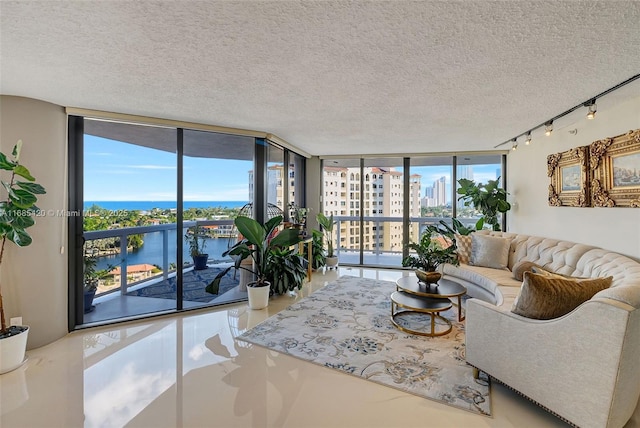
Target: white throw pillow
(489,251)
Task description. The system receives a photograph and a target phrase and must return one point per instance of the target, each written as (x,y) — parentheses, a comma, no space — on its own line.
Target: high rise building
(382,196)
(464,171)
(440,191)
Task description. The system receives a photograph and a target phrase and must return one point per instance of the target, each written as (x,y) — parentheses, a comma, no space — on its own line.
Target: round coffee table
(421,305)
(443,289)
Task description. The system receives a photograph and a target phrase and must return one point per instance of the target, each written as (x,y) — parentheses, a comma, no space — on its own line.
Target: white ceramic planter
(331,262)
(12,351)
(258,297)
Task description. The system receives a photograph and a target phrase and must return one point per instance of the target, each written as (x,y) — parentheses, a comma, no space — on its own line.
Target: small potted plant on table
(436,247)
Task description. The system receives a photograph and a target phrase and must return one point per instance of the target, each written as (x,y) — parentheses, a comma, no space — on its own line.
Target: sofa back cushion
(489,251)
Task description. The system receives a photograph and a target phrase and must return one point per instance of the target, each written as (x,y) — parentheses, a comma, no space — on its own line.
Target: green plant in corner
(317,248)
(286,270)
(327,224)
(17,211)
(436,246)
(488,198)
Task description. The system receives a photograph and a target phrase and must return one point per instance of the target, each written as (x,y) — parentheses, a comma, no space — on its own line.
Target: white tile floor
(188,371)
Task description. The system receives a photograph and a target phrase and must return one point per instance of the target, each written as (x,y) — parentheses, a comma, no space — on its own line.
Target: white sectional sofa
(584,366)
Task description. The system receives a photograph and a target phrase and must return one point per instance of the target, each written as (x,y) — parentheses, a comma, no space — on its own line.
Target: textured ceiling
(343,77)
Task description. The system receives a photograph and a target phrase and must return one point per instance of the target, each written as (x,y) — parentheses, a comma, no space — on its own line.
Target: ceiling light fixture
(591,103)
(528,140)
(514,147)
(592,108)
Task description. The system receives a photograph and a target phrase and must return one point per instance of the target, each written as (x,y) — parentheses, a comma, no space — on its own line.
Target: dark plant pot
(200,262)
(88,301)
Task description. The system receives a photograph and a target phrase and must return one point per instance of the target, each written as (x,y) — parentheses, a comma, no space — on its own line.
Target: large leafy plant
(259,243)
(286,270)
(489,199)
(436,246)
(18,210)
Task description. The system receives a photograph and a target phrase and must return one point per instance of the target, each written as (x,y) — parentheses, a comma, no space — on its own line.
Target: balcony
(149,285)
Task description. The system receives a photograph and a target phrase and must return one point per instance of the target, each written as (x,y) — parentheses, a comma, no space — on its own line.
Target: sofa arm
(582,366)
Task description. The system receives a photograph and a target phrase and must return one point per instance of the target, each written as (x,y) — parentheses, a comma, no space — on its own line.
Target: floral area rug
(193,284)
(347,326)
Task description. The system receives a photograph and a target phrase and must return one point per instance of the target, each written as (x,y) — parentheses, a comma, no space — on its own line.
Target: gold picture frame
(615,171)
(569,174)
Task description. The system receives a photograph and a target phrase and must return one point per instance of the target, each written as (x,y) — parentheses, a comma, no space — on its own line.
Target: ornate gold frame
(603,154)
(569,175)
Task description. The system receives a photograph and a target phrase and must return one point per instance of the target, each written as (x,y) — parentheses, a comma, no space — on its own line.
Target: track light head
(592,108)
(528,140)
(514,146)
(548,128)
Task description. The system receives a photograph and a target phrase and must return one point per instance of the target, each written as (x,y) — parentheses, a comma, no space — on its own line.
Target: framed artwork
(569,174)
(615,171)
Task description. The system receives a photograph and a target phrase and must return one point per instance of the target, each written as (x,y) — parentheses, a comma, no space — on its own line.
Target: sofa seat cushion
(489,279)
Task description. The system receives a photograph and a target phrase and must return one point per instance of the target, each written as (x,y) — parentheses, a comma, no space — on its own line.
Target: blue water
(148,205)
(151,251)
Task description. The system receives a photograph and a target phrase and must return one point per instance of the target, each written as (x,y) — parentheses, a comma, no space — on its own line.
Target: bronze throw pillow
(524,266)
(542,297)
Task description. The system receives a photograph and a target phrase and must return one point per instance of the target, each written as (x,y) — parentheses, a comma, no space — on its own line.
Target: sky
(117,171)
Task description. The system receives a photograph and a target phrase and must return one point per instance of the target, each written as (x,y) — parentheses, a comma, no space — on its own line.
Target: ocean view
(148,205)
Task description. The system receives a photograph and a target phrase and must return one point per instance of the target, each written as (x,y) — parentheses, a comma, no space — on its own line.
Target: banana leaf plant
(287,270)
(259,243)
(18,210)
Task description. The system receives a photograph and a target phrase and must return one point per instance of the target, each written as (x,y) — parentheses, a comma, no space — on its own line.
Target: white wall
(34,278)
(616,229)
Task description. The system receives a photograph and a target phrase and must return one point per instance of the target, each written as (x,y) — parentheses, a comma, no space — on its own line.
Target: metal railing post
(123,264)
(165,254)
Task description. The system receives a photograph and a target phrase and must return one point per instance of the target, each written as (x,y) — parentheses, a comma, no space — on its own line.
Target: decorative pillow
(545,297)
(464,247)
(524,266)
(544,272)
(489,251)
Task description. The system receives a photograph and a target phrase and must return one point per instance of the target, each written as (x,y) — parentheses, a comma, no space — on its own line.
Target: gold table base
(417,305)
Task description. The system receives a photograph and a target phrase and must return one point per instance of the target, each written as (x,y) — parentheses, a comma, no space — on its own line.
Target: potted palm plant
(437,246)
(327,224)
(196,239)
(17,213)
(258,244)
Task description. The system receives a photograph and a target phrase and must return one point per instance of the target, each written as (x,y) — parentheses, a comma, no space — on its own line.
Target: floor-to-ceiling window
(151,198)
(431,180)
(130,196)
(380,204)
(481,169)
(382,200)
(215,182)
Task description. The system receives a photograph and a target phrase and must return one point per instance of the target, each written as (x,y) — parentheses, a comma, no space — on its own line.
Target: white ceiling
(341,77)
